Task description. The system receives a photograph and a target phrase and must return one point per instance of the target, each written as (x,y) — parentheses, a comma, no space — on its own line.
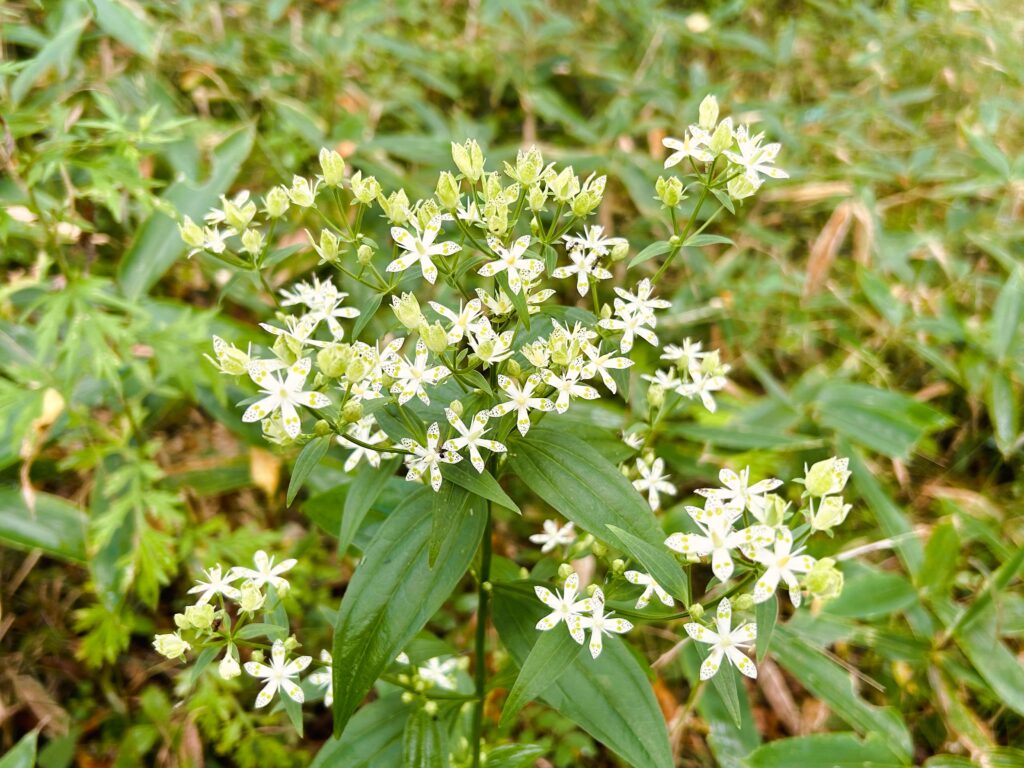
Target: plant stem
(483,606)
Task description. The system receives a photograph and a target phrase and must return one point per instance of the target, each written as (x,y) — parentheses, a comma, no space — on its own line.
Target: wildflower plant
(466,353)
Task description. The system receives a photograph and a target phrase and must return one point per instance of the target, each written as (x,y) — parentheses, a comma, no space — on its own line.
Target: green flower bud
(491,188)
(774,510)
(529,165)
(333,166)
(407,310)
(722,138)
(364,190)
(824,580)
(536,198)
(430,707)
(456,406)
(826,477)
(599,549)
(238,213)
(352,411)
(469,159)
(276,203)
(448,190)
(563,186)
(696,611)
(357,369)
(251,599)
(322,428)
(395,207)
(743,603)
(364,255)
(656,395)
(328,248)
(620,249)
(191,233)
(513,369)
(584,204)
(707,114)
(426,211)
(302,193)
(291,643)
(333,360)
(171,646)
(591,590)
(230,359)
(618,566)
(199,616)
(669,191)
(252,241)
(564,571)
(408,697)
(228,668)
(496,217)
(830,512)
(741,187)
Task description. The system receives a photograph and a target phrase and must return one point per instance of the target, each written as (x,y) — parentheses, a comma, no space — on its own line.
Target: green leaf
(157,244)
(363,492)
(742,437)
(451,504)
(825,750)
(871,593)
(481,483)
(425,742)
(269,631)
(575,479)
(367,310)
(550,656)
(648,253)
(609,697)
(766,615)
(56,54)
(294,712)
(24,753)
(725,683)
(658,563)
(1003,412)
(833,685)
(392,595)
(514,756)
(373,737)
(695,241)
(57,527)
(312,453)
(125,25)
(1006,315)
(941,554)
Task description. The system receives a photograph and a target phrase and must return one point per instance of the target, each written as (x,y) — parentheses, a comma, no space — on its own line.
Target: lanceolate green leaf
(481,483)
(392,595)
(365,488)
(450,505)
(835,750)
(373,737)
(581,484)
(55,526)
(766,614)
(658,562)
(550,656)
(609,697)
(424,744)
(310,456)
(24,753)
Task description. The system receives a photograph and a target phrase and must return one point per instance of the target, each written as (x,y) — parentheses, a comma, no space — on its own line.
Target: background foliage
(870,307)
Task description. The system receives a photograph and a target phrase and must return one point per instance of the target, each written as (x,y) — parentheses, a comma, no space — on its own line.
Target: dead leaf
(826,247)
(265,469)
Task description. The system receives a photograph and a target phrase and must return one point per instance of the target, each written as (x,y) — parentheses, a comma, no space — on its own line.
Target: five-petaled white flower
(783,563)
(426,459)
(703,384)
(554,536)
(756,160)
(489,346)
(600,623)
(421,248)
(568,385)
(323,300)
(216,584)
(521,400)
(323,678)
(684,355)
(411,376)
(584,266)
(740,492)
(719,538)
(461,321)
(510,260)
(279,675)
(471,437)
(691,145)
(631,325)
(592,241)
(651,588)
(439,673)
(725,642)
(365,430)
(564,607)
(600,364)
(283,395)
(653,480)
(641,303)
(265,571)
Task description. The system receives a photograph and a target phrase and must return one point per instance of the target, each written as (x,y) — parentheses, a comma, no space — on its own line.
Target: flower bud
(469,159)
(430,708)
(696,611)
(584,204)
(191,233)
(563,186)
(669,191)
(722,138)
(537,353)
(333,166)
(774,510)
(276,203)
(358,368)
(448,190)
(830,512)
(364,190)
(322,428)
(199,616)
(456,406)
(591,590)
(743,602)
(564,571)
(333,360)
(251,599)
(364,255)
(302,193)
(824,580)
(352,412)
(238,213)
(513,369)
(252,241)
(230,359)
(618,566)
(599,549)
(327,250)
(826,477)
(656,395)
(741,187)
(228,667)
(408,697)
(707,114)
(620,249)
(496,217)
(537,197)
(407,310)
(395,207)
(171,646)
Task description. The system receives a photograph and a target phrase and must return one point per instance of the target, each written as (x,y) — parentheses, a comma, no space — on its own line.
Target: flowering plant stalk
(490,312)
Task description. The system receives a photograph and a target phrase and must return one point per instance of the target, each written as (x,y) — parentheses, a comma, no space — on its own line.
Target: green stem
(483,606)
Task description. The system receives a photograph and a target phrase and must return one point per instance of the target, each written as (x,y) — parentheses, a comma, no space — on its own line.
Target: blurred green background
(871,306)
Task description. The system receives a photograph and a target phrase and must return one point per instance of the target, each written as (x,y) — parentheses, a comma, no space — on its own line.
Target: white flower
(684,355)
(489,346)
(216,584)
(689,146)
(754,159)
(228,668)
(421,248)
(718,538)
(599,623)
(279,675)
(634,440)
(630,325)
(725,642)
(461,321)
(584,266)
(510,260)
(784,564)
(651,588)
(568,385)
(266,572)
(564,607)
(300,329)
(410,377)
(472,437)
(554,536)
(641,303)
(600,364)
(592,241)
(521,400)
(702,385)
(426,458)
(283,395)
(653,481)
(363,430)
(739,491)
(323,300)
(323,677)
(667,380)
(439,673)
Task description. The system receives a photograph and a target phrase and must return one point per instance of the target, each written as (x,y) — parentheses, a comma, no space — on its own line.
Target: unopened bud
(743,603)
(407,310)
(824,580)
(513,369)
(435,337)
(696,611)
(707,114)
(322,428)
(171,646)
(565,571)
(252,241)
(364,190)
(302,193)
(722,138)
(669,190)
(333,166)
(456,406)
(826,477)
(364,255)
(469,159)
(352,411)
(228,667)
(656,396)
(276,203)
(448,190)
(620,250)
(830,512)
(191,233)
